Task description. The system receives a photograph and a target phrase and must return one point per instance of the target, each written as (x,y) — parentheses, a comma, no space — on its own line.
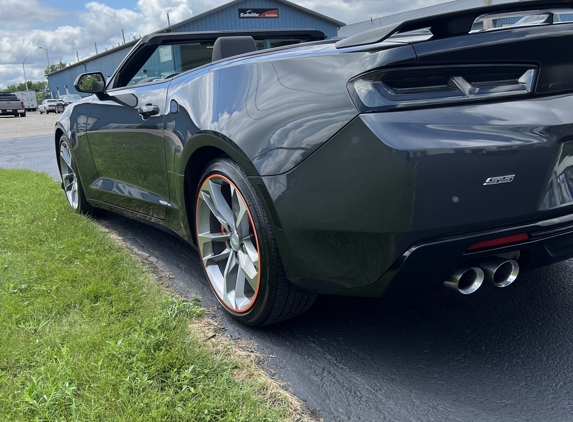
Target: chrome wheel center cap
(235,243)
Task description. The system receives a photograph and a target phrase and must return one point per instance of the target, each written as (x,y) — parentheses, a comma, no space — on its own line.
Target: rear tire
(71,183)
(239,252)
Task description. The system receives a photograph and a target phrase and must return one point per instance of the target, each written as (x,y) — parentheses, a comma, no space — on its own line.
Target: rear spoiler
(454,23)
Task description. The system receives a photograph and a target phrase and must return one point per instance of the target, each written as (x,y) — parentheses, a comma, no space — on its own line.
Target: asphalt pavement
(32,125)
(496,355)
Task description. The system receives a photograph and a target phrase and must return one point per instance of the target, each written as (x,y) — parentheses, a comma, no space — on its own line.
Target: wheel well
(193,171)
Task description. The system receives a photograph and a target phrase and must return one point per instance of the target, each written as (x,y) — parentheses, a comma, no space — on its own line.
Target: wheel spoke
(69,185)
(239,212)
(218,204)
(215,258)
(241,300)
(251,251)
(206,198)
(65,154)
(230,280)
(74,197)
(212,237)
(248,269)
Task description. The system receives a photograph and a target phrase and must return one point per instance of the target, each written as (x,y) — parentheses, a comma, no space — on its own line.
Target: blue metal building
(236,15)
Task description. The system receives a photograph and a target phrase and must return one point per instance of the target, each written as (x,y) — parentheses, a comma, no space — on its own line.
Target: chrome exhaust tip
(465,280)
(501,272)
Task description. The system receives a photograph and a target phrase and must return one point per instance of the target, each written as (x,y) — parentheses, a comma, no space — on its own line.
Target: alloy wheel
(228,243)
(69,179)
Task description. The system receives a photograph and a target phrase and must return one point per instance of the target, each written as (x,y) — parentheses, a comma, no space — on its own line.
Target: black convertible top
(303,34)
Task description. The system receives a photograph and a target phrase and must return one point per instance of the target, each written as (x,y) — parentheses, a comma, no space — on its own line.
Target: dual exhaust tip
(467,279)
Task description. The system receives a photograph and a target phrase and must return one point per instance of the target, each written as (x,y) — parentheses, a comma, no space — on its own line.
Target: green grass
(86,335)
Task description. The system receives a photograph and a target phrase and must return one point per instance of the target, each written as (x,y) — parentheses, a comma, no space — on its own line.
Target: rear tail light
(496,243)
(386,90)
(22,104)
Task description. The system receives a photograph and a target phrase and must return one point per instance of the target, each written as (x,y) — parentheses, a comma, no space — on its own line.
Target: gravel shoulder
(33,124)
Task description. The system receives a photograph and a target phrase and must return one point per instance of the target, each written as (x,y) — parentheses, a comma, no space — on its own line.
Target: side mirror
(91,83)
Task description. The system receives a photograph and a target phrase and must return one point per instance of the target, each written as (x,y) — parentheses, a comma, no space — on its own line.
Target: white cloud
(352,11)
(99,23)
(100,19)
(20,14)
(154,13)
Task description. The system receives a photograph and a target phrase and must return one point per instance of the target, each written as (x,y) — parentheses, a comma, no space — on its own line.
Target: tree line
(39,87)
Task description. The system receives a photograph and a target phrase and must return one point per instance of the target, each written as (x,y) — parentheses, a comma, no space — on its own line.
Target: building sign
(165,53)
(258,13)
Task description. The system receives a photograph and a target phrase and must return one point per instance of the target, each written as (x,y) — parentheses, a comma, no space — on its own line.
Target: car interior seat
(232,46)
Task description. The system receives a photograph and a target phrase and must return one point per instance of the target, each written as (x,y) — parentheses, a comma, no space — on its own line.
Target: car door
(127,145)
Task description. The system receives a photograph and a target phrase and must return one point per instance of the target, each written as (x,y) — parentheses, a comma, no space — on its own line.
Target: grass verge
(86,335)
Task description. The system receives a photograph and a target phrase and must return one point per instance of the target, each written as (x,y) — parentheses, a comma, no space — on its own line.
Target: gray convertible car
(412,156)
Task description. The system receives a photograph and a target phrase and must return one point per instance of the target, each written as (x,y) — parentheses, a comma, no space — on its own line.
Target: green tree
(55,67)
(40,87)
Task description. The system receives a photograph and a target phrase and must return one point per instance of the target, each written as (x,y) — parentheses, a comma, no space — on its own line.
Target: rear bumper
(53,109)
(428,264)
(11,112)
(412,183)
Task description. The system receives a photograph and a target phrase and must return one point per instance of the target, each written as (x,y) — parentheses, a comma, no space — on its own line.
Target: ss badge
(499,180)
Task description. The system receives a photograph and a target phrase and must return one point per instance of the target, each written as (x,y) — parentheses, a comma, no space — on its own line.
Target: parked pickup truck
(10,104)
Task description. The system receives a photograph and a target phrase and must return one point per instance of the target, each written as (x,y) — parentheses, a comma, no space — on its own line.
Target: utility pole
(47,56)
(77,56)
(48,70)
(168,23)
(123,35)
(95,47)
(24,69)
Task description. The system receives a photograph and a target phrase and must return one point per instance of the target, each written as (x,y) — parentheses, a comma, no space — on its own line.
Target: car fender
(76,134)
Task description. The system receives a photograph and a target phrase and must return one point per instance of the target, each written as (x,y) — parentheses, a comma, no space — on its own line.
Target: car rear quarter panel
(274,109)
(390,180)
(267,112)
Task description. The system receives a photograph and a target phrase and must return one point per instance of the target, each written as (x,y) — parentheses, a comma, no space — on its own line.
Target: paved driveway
(32,125)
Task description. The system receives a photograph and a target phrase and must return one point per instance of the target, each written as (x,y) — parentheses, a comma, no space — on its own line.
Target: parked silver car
(51,106)
(70,98)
